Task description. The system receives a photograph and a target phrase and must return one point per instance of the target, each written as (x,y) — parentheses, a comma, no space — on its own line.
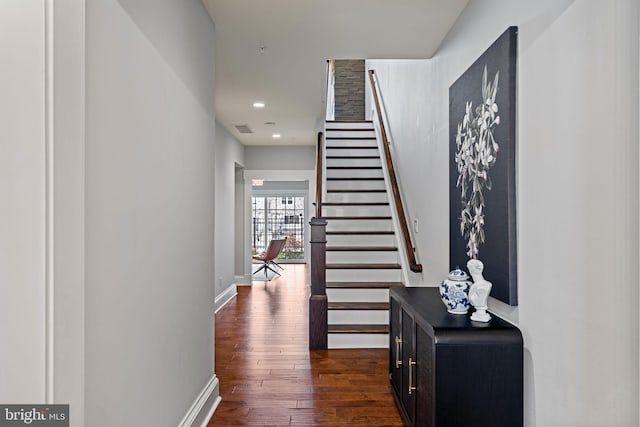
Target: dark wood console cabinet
(448,371)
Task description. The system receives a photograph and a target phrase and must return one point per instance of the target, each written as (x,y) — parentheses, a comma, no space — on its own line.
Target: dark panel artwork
(482,160)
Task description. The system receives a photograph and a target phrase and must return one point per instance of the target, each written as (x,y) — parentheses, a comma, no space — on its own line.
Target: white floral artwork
(482,166)
(476,153)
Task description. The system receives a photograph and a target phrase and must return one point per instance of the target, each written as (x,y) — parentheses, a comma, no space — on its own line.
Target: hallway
(269,377)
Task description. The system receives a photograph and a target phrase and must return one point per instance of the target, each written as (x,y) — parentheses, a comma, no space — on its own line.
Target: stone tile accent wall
(349,89)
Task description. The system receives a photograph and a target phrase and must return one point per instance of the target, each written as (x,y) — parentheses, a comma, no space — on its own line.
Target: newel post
(318,329)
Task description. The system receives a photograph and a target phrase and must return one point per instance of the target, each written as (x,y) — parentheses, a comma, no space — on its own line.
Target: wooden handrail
(402,218)
(319,176)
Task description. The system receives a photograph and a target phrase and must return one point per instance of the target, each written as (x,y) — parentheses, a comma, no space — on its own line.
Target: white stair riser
(361,240)
(360,133)
(373,143)
(348,125)
(381,257)
(354,173)
(360,225)
(356,197)
(358,341)
(357,295)
(361,275)
(355,185)
(353,162)
(370,210)
(358,317)
(353,152)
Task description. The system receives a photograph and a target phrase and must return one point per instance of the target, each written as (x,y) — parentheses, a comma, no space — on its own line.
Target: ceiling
(275,51)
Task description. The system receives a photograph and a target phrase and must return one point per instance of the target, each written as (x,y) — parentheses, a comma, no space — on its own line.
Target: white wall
(23,197)
(42,191)
(229,153)
(67,242)
(280,157)
(150,161)
(577,177)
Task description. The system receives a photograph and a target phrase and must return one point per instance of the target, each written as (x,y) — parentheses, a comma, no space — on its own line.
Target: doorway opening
(277,205)
(277,217)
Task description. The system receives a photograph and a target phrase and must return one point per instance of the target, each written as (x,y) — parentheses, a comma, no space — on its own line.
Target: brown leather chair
(272,252)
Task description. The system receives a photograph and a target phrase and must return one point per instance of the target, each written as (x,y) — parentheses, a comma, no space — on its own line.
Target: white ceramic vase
(454,292)
(479,292)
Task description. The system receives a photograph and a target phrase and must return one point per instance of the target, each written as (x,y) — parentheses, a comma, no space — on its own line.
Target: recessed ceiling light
(258,104)
(276,135)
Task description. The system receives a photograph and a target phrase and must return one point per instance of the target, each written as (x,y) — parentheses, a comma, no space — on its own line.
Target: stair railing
(402,218)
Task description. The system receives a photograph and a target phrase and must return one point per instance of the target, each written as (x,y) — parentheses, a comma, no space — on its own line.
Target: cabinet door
(395,347)
(425,379)
(408,394)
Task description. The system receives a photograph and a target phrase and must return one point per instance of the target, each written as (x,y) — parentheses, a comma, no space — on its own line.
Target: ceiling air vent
(243,128)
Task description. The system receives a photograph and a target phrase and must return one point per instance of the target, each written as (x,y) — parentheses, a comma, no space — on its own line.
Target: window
(275,217)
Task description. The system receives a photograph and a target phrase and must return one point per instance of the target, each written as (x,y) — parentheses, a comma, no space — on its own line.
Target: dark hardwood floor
(268,377)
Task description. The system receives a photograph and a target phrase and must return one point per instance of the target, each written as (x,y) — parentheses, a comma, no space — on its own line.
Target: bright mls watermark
(34,415)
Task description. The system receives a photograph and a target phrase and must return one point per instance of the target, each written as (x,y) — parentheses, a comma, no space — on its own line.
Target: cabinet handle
(398,361)
(411,364)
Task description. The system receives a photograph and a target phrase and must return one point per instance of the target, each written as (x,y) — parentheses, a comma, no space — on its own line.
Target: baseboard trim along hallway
(204,406)
(225,297)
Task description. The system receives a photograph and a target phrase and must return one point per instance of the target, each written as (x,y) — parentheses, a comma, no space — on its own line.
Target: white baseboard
(244,280)
(225,297)
(206,403)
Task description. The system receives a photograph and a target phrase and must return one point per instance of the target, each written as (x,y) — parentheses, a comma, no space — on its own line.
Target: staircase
(362,260)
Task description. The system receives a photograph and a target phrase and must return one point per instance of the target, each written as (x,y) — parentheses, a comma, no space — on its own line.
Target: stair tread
(359,232)
(357,217)
(352,138)
(358,305)
(350,129)
(363,285)
(357,191)
(362,248)
(355,203)
(356,178)
(349,121)
(351,157)
(354,167)
(358,329)
(363,266)
(351,147)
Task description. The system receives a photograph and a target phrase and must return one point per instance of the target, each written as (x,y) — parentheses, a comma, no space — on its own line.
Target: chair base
(275,264)
(265,266)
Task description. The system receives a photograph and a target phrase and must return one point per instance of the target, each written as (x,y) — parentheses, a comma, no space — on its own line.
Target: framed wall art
(482,161)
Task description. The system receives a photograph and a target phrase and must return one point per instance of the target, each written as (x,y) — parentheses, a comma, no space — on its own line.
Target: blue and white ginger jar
(455,292)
